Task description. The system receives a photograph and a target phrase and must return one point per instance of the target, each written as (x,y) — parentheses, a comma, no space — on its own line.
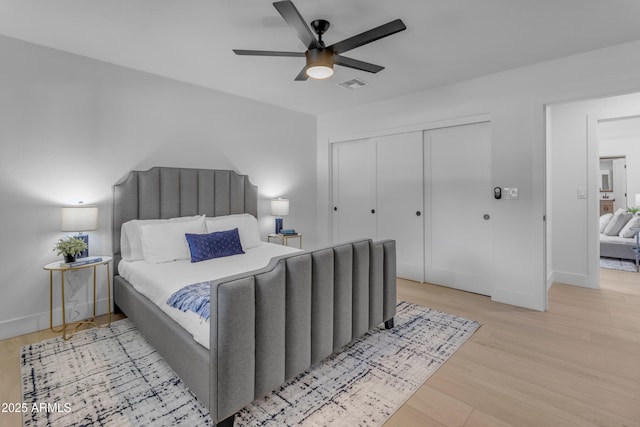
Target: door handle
(418,213)
(486,217)
(373,211)
(335,208)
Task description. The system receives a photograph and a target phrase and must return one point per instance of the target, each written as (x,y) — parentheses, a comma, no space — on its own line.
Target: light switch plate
(582,193)
(510,193)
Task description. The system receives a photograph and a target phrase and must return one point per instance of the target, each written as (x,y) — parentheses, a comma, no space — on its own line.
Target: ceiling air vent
(353,84)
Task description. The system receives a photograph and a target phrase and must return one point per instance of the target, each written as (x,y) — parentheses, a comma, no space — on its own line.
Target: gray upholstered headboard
(163,192)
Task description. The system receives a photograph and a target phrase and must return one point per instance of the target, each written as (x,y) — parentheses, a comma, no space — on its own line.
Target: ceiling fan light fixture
(319,72)
(319,63)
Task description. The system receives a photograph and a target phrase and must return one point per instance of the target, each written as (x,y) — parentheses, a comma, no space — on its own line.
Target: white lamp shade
(280,207)
(638,200)
(79,218)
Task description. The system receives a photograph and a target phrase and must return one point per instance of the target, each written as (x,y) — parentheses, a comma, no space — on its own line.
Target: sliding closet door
(400,193)
(458,244)
(354,197)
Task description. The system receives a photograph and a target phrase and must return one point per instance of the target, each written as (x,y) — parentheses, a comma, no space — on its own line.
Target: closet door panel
(400,207)
(458,243)
(355,204)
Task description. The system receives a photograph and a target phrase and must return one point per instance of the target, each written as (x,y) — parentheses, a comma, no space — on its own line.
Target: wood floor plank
(481,393)
(481,419)
(440,407)
(10,390)
(565,395)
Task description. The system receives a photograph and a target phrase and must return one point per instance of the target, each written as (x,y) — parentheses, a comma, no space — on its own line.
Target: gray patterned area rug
(114,377)
(618,264)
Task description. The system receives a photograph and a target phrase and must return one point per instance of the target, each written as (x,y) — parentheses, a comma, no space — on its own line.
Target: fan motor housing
(319,58)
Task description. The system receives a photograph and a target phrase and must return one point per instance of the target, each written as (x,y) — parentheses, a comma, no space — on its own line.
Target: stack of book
(82,261)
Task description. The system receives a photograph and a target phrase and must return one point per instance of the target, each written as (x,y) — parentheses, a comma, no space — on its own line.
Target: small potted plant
(70,247)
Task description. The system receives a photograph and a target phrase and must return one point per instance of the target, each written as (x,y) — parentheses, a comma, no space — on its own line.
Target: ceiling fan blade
(368,36)
(268,53)
(358,65)
(296,21)
(302,75)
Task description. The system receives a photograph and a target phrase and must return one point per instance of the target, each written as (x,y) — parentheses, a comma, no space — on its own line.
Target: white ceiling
(445,41)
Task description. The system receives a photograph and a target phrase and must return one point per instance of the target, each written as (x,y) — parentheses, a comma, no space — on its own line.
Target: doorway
(574,181)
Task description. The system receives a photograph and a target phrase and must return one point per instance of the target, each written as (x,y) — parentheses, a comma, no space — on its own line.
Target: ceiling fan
(321,58)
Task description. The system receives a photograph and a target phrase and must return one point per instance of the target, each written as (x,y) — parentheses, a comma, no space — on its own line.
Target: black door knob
(373,211)
(335,208)
(418,213)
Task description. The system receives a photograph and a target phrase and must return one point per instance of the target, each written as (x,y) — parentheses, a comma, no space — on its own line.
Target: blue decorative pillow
(214,245)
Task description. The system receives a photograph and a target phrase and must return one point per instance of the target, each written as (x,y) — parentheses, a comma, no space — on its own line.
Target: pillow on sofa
(617,223)
(214,245)
(626,230)
(604,221)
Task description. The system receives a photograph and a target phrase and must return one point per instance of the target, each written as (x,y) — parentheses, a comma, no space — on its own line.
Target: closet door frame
(420,127)
(457,121)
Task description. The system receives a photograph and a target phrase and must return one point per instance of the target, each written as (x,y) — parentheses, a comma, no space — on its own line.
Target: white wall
(70,127)
(515,101)
(574,151)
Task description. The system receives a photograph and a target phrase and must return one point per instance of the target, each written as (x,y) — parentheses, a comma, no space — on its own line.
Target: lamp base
(84,237)
(279,223)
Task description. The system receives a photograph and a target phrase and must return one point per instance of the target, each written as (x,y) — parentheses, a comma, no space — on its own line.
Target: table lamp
(78,219)
(279,208)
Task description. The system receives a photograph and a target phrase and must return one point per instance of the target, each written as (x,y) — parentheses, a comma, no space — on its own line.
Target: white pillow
(246,224)
(166,242)
(626,230)
(617,223)
(130,235)
(604,221)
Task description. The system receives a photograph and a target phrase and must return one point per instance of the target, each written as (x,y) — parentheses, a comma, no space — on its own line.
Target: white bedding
(159,281)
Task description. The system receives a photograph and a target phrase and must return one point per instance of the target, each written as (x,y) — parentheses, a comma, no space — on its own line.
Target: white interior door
(620,184)
(355,174)
(400,208)
(458,244)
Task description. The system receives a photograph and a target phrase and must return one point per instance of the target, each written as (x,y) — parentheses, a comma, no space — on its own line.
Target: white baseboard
(550,279)
(582,280)
(507,296)
(37,322)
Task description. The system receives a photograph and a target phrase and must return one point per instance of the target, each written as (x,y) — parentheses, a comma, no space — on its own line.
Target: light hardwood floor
(578,364)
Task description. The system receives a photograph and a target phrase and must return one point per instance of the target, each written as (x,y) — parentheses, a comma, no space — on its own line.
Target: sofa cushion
(604,221)
(617,223)
(634,222)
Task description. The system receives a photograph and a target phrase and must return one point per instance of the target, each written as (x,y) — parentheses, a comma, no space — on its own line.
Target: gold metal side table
(285,238)
(55,266)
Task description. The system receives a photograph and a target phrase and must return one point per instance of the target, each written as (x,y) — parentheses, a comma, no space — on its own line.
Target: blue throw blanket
(194,297)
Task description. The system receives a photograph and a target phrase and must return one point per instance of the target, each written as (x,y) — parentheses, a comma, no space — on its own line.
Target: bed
(266,325)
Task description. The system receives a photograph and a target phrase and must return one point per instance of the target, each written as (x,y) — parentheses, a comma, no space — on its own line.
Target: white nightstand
(56,266)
